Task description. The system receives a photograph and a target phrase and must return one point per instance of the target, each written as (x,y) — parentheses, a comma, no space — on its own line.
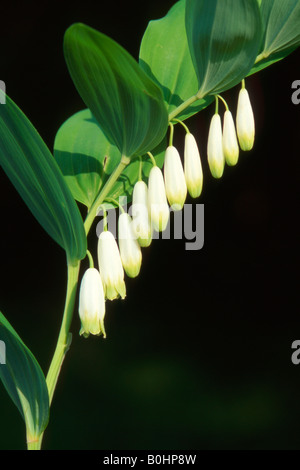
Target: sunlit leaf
(24,381)
(224,39)
(87,159)
(33,171)
(281,26)
(127,104)
(166,58)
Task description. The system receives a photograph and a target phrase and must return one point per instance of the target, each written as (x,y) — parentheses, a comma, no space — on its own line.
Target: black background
(199,354)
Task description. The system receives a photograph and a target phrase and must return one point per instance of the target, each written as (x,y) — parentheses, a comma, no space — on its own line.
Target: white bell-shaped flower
(91,304)
(175,184)
(230,142)
(245,125)
(192,166)
(110,266)
(215,154)
(141,223)
(130,250)
(157,200)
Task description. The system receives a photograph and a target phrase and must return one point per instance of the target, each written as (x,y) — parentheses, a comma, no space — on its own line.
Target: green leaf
(166,58)
(84,156)
(127,104)
(224,38)
(87,159)
(33,171)
(24,381)
(281,25)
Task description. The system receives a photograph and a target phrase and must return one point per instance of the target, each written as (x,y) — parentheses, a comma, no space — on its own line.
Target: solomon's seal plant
(121,145)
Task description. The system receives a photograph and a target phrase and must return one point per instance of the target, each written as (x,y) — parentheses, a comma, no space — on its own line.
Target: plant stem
(107,187)
(262,56)
(182,107)
(91,261)
(151,158)
(115,202)
(171,134)
(34,445)
(140,169)
(224,102)
(104,218)
(217,104)
(183,125)
(64,338)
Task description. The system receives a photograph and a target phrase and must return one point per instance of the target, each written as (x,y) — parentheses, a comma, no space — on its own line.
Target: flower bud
(141,223)
(245,121)
(215,153)
(91,304)
(130,250)
(175,184)
(230,143)
(192,166)
(110,266)
(157,200)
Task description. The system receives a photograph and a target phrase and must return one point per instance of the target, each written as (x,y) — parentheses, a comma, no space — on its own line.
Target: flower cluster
(150,208)
(223,144)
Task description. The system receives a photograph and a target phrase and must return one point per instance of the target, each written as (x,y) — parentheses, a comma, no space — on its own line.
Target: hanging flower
(245,125)
(91,304)
(175,184)
(157,200)
(141,223)
(130,249)
(215,153)
(110,266)
(230,143)
(192,166)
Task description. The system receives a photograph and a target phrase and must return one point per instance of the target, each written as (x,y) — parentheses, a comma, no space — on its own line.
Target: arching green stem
(91,261)
(171,134)
(102,195)
(64,338)
(104,217)
(140,168)
(224,102)
(115,202)
(152,158)
(182,107)
(216,104)
(183,125)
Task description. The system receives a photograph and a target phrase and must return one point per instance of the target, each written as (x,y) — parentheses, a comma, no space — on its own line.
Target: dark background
(198,356)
